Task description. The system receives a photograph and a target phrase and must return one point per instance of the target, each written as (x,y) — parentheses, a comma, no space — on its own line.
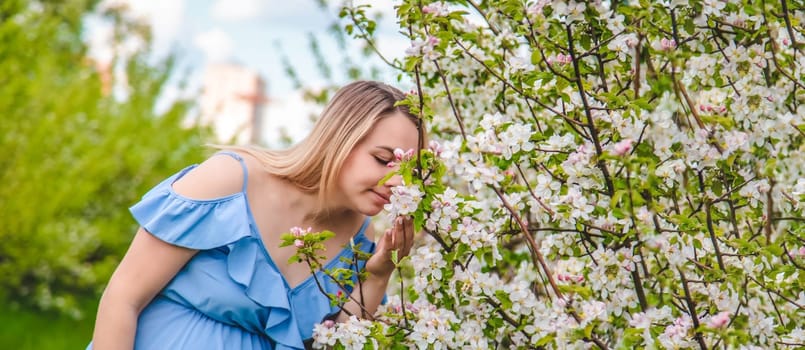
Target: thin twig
(692,310)
(711,230)
(590,123)
(456,112)
(367,37)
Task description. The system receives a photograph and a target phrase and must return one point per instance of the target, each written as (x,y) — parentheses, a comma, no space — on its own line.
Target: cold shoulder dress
(230,295)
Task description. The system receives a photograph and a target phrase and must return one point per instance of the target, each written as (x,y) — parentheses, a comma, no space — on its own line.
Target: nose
(395,180)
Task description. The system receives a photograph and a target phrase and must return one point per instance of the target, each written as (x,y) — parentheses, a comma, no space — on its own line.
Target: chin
(371,211)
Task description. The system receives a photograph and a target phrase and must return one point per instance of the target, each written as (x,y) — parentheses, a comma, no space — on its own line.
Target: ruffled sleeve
(191,223)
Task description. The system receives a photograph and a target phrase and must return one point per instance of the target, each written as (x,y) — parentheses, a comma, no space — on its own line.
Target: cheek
(372,171)
(348,172)
(362,172)
(375,172)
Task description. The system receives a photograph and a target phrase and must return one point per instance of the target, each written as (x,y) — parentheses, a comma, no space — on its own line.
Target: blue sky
(246,32)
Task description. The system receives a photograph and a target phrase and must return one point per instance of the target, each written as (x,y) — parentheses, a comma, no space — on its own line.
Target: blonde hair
(313,164)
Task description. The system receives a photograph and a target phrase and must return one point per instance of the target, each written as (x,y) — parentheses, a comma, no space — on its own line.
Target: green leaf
(504,299)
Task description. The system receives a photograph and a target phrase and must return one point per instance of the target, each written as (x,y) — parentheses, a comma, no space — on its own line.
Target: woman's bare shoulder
(218,176)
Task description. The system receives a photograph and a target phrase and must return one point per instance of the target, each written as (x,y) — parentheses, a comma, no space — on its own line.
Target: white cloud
(216,44)
(291,113)
(166,18)
(98,36)
(237,10)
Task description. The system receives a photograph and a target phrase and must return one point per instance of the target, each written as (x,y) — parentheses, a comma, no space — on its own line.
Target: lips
(382,196)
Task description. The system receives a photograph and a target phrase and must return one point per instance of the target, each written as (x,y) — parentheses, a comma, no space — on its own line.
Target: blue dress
(230,295)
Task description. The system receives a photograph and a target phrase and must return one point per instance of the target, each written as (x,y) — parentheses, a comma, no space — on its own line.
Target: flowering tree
(603,174)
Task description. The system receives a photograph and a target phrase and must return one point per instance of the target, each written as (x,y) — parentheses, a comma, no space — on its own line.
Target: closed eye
(381,161)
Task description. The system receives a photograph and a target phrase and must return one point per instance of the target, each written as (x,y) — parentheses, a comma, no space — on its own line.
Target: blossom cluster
(404,200)
(603,175)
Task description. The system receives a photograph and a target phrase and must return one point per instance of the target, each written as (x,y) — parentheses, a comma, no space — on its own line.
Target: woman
(206,270)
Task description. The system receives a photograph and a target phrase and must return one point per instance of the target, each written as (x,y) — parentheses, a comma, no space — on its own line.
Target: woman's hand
(364,300)
(400,237)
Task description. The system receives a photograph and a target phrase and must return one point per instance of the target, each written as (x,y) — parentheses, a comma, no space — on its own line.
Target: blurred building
(232,102)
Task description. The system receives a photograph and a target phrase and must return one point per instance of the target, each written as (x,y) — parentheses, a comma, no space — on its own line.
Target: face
(367,164)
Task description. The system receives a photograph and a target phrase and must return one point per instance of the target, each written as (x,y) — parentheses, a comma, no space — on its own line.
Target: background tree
(76,154)
(621,174)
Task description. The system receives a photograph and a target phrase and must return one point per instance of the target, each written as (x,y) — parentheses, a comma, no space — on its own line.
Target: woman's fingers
(403,236)
(409,235)
(405,227)
(399,237)
(388,240)
(403,233)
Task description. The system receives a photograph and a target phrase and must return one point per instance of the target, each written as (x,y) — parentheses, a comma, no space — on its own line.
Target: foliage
(75,155)
(50,330)
(619,175)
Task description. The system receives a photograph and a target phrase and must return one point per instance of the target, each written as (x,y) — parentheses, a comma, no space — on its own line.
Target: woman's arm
(379,268)
(150,263)
(146,268)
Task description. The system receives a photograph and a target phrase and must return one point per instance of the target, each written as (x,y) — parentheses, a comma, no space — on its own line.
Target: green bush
(74,158)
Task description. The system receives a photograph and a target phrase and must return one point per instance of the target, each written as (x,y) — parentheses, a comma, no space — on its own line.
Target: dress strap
(242,165)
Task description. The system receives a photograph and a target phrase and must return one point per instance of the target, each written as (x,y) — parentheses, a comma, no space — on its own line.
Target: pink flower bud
(564,277)
(719,320)
(299,232)
(563,59)
(411,307)
(435,147)
(667,44)
(622,147)
(328,323)
(560,59)
(398,153)
(298,243)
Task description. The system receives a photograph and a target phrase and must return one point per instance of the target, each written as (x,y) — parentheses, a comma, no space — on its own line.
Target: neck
(304,207)
(328,218)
